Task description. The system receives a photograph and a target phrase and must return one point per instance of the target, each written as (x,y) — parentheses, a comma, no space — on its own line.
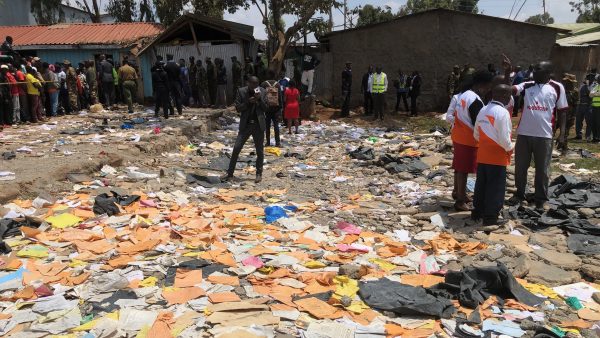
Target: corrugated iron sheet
(81,33)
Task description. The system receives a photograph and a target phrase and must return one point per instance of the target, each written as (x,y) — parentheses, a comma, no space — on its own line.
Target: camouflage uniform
(236,71)
(566,118)
(193,82)
(211,74)
(201,84)
(72,87)
(93,83)
(452,85)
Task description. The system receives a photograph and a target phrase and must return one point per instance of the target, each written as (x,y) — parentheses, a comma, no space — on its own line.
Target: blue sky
(559,9)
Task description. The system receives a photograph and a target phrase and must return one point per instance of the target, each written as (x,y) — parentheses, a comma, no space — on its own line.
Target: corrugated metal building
(200,36)
(78,42)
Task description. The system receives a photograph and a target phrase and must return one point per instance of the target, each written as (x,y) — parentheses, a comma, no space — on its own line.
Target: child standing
(493,132)
(292,106)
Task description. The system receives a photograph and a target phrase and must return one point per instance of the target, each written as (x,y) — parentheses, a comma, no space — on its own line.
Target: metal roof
(579,39)
(576,28)
(234,29)
(121,34)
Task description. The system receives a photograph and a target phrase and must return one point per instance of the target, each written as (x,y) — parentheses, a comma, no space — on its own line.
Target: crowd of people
(481,111)
(374,87)
(33,91)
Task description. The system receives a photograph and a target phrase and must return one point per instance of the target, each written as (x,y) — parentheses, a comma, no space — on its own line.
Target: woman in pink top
(291,112)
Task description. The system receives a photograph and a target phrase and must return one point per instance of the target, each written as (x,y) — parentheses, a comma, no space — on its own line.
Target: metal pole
(544,4)
(345,14)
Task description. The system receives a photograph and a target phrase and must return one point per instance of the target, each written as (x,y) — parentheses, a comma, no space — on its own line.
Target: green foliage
(415,6)
(588,10)
(46,12)
(370,14)
(541,19)
(122,10)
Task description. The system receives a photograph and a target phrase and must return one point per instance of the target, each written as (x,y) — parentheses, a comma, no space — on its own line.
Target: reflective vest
(378,86)
(596,99)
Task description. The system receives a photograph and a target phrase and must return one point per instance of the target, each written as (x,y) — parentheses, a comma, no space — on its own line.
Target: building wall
(16,13)
(577,60)
(432,43)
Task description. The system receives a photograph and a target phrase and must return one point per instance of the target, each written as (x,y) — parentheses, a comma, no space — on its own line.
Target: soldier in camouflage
(566,118)
(71,85)
(201,83)
(236,71)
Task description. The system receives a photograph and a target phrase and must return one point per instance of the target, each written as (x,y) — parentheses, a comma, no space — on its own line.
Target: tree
(370,14)
(541,19)
(47,12)
(92,10)
(302,10)
(415,6)
(122,10)
(589,10)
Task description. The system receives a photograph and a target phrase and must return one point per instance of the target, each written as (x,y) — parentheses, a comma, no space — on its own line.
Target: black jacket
(346,80)
(245,108)
(159,79)
(415,85)
(173,71)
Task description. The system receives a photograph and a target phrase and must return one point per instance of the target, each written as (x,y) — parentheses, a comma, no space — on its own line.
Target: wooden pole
(195,39)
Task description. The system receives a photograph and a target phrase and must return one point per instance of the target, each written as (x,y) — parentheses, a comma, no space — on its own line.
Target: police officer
(71,85)
(173,73)
(160,85)
(236,72)
(248,69)
(201,83)
(211,75)
(346,88)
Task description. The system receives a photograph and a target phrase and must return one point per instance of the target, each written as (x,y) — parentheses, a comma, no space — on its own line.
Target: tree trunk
(279,56)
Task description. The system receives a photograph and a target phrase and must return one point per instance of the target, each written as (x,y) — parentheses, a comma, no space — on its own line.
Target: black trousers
(346,105)
(368,103)
(163,101)
(6,112)
(176,94)
(595,121)
(413,105)
(490,188)
(258,136)
(272,118)
(517,100)
(583,114)
(401,96)
(378,104)
(212,92)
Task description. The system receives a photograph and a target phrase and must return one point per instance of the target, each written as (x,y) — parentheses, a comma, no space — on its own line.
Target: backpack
(272,94)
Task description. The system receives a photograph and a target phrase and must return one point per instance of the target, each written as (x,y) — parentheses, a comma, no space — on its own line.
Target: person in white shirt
(542,97)
(492,130)
(378,84)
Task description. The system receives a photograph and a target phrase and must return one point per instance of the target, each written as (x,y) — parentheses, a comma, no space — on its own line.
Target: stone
(352,271)
(591,270)
(564,260)
(596,297)
(521,266)
(587,212)
(407,211)
(424,216)
(433,160)
(550,275)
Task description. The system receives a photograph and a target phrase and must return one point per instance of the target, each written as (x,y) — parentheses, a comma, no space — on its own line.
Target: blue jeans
(54,102)
(584,113)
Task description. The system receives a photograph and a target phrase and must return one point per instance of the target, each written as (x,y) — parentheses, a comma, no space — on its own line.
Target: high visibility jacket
(595,95)
(493,131)
(378,83)
(462,130)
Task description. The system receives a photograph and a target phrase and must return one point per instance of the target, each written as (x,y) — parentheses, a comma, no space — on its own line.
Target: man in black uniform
(174,83)
(364,88)
(346,88)
(160,85)
(211,76)
(251,103)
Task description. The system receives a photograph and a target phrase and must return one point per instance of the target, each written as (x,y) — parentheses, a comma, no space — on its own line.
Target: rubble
(351,233)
